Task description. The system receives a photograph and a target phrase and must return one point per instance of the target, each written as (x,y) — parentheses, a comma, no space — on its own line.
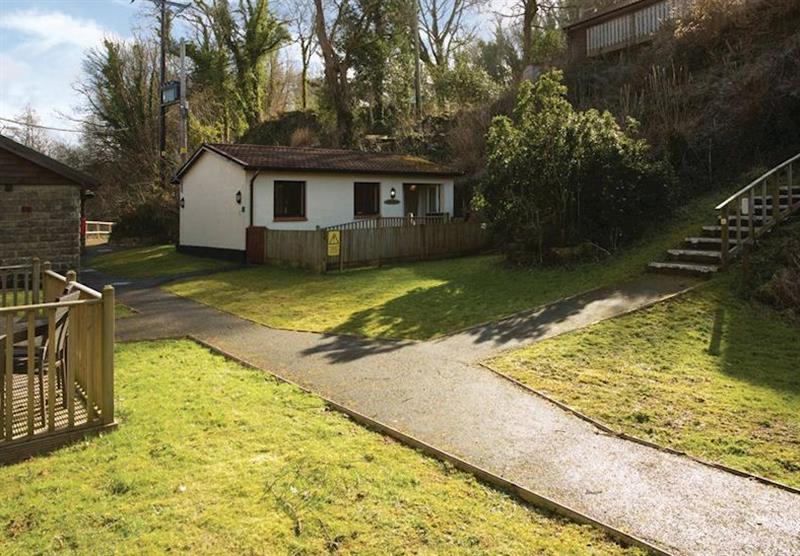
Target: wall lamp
(183,202)
(393,193)
(238,197)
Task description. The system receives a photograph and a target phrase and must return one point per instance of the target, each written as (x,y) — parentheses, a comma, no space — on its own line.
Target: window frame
(377,199)
(303,206)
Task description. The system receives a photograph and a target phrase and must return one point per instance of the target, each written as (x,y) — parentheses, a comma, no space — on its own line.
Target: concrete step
(693,269)
(710,243)
(694,256)
(757,218)
(716,230)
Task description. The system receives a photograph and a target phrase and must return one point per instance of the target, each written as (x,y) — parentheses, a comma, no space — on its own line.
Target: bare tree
(301,15)
(28,130)
(444,28)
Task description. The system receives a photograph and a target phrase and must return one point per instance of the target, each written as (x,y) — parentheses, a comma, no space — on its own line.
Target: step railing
(742,206)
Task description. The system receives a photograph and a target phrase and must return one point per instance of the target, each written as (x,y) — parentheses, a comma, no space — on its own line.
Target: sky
(43,42)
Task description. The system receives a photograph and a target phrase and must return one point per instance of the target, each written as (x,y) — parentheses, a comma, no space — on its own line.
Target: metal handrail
(755,182)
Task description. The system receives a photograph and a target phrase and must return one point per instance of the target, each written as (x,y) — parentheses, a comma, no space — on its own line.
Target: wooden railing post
(37,279)
(725,235)
(107,359)
(790,181)
(776,200)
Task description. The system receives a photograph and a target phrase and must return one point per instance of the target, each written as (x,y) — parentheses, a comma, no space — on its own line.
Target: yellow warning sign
(334,242)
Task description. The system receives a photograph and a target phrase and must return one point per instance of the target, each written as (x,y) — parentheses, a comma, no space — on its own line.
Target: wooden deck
(20,409)
(70,333)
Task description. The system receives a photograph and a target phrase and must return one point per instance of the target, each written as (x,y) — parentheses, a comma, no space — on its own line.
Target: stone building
(40,207)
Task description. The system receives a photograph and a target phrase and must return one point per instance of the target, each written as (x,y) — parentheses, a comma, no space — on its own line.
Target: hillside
(718,91)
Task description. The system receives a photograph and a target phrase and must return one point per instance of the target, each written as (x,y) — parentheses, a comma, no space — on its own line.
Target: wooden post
(776,200)
(751,210)
(789,192)
(323,243)
(9,378)
(107,394)
(46,282)
(37,279)
(725,235)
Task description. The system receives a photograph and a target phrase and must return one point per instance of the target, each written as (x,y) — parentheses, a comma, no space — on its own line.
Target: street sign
(334,243)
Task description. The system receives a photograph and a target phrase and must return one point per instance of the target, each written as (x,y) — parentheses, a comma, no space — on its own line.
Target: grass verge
(153,261)
(706,373)
(422,300)
(212,458)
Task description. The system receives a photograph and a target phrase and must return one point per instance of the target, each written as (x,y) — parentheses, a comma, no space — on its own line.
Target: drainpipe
(252,180)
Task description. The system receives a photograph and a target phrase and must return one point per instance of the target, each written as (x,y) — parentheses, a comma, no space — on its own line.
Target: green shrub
(153,219)
(557,176)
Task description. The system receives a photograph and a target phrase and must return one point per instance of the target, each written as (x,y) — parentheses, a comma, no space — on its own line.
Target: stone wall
(40,221)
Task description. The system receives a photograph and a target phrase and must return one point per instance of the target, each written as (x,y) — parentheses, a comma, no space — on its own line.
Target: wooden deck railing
(56,362)
(98,228)
(390,222)
(761,204)
(20,284)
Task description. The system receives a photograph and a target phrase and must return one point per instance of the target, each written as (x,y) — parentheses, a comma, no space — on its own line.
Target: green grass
(214,458)
(422,300)
(153,261)
(122,311)
(707,373)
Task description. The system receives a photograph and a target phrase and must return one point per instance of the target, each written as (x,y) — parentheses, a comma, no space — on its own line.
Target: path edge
(480,473)
(625,436)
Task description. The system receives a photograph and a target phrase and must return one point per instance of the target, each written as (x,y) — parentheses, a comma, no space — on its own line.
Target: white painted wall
(211,217)
(330,198)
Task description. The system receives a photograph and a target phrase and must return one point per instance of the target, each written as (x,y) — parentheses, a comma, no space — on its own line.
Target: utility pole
(417,72)
(184,107)
(162,126)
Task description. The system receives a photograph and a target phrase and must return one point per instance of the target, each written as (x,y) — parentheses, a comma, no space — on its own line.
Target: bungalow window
(367,199)
(290,200)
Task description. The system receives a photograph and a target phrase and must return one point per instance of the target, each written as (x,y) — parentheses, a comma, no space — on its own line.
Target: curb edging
(480,473)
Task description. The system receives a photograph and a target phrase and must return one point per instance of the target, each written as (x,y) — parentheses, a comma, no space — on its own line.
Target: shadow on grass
(759,346)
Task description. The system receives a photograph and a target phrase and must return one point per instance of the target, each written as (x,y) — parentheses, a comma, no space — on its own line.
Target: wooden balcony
(56,360)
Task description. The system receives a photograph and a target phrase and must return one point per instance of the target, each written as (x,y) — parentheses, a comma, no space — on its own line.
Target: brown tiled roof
(263,157)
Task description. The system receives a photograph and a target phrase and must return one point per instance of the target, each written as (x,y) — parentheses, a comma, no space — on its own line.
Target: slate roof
(306,159)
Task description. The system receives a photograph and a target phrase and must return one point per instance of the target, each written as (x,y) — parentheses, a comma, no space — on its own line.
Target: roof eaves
(602,13)
(374,172)
(40,159)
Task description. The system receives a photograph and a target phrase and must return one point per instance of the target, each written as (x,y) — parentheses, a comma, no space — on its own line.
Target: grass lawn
(214,458)
(153,261)
(706,373)
(422,300)
(122,311)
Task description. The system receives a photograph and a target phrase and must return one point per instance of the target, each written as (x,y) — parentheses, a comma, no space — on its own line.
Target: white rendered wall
(211,217)
(330,197)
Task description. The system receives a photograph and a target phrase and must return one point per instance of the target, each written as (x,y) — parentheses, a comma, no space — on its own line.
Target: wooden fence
(56,362)
(346,246)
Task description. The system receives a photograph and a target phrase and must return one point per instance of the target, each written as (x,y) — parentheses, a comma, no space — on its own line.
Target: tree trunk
(335,80)
(530,9)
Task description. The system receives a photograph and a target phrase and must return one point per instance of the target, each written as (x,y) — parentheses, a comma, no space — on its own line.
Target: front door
(410,199)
